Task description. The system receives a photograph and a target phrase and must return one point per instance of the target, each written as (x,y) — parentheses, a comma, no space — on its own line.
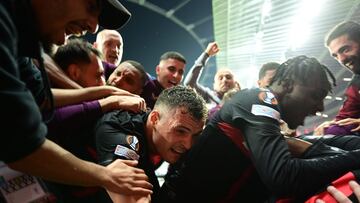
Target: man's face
(170,72)
(265,81)
(112,47)
(173,133)
(346,52)
(223,81)
(91,74)
(67,17)
(126,77)
(302,101)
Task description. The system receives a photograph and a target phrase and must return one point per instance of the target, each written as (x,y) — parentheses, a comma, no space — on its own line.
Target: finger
(128,162)
(140,176)
(344,122)
(319,201)
(355,129)
(339,196)
(142,191)
(356,188)
(143,184)
(144,106)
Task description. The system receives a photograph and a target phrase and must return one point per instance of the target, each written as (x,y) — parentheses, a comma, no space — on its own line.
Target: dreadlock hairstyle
(305,71)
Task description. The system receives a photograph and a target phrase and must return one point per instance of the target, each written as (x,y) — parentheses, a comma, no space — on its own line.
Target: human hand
(341,197)
(117,91)
(124,178)
(350,121)
(130,103)
(212,49)
(321,128)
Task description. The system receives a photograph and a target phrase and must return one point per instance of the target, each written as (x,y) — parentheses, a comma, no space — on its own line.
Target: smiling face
(91,74)
(59,18)
(126,77)
(173,132)
(170,72)
(346,52)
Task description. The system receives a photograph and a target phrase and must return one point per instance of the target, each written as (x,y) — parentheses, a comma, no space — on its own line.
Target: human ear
(154,117)
(157,69)
(73,72)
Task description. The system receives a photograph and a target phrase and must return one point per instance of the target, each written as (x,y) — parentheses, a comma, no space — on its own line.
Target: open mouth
(172,83)
(178,150)
(349,64)
(113,58)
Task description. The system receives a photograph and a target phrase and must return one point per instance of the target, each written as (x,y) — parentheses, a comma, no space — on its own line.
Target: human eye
(181,130)
(344,49)
(129,80)
(171,69)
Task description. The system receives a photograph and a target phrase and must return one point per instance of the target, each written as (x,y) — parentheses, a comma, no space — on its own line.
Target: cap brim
(113,15)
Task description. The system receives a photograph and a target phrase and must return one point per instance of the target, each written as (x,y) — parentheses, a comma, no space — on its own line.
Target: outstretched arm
(350,121)
(63,97)
(193,76)
(52,162)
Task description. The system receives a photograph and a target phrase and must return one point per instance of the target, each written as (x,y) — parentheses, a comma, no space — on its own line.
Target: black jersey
(241,156)
(121,135)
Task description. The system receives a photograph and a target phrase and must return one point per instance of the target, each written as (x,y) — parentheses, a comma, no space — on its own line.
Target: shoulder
(253,102)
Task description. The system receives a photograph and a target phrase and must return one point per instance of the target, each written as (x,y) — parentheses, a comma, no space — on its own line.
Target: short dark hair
(138,66)
(173,55)
(75,51)
(267,66)
(304,70)
(350,28)
(181,96)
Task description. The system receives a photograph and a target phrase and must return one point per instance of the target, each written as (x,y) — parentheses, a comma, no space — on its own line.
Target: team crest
(268,97)
(133,142)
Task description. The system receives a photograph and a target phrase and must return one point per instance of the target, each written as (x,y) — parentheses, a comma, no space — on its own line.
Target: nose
(342,58)
(117,80)
(175,74)
(117,50)
(188,141)
(102,81)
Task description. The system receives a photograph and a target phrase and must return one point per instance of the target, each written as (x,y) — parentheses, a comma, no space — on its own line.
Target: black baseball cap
(113,14)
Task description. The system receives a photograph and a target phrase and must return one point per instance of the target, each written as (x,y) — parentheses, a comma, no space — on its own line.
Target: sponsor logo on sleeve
(126,152)
(262,110)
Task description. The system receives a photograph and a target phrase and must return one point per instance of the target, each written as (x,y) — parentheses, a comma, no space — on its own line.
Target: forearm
(52,162)
(75,117)
(194,73)
(63,97)
(286,175)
